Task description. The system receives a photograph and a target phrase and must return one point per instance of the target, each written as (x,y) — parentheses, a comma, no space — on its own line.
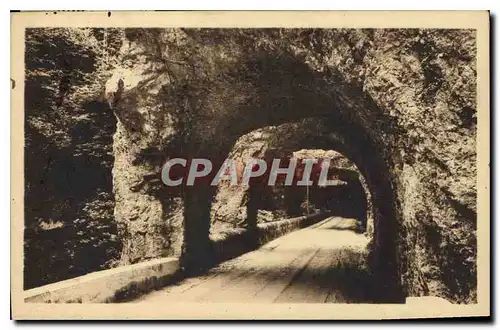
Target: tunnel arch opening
(355,142)
(219,84)
(382,224)
(256,84)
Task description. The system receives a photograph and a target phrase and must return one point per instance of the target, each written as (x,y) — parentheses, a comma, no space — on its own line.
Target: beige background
(478,20)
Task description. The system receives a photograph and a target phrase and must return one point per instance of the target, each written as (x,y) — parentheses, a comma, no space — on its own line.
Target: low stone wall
(112,285)
(271,230)
(238,242)
(128,282)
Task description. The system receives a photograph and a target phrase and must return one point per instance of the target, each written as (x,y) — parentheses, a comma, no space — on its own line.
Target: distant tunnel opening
(351,191)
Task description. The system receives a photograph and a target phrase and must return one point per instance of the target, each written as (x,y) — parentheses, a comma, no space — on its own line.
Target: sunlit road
(322,263)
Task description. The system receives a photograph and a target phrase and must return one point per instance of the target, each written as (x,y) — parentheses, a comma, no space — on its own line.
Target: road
(324,263)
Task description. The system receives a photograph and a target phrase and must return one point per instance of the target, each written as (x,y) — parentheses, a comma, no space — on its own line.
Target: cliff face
(425,82)
(403,102)
(149,223)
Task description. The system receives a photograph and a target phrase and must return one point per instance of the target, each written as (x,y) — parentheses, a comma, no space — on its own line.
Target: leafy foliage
(68,156)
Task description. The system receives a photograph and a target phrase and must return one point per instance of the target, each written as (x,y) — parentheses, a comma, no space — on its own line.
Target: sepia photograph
(247,165)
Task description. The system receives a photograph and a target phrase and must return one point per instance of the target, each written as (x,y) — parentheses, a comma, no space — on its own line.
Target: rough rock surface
(406,96)
(149,226)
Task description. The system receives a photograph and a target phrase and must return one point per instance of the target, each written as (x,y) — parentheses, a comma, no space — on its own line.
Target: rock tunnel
(275,97)
(197,106)
(364,154)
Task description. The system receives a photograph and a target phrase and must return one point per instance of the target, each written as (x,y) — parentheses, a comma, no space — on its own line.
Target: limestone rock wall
(148,224)
(411,93)
(424,81)
(427,83)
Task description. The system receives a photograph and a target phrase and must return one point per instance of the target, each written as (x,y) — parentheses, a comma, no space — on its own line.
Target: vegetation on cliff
(69,227)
